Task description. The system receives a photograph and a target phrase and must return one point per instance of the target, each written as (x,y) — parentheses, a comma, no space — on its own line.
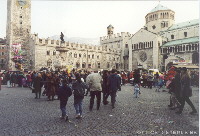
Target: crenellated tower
(19,29)
(110,30)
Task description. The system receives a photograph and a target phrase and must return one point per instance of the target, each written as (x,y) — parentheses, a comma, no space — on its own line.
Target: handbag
(33,90)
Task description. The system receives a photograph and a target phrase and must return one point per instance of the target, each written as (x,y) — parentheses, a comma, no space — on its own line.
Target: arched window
(83,65)
(195,47)
(195,58)
(170,49)
(70,54)
(184,48)
(192,46)
(108,65)
(99,65)
(172,36)
(75,55)
(49,62)
(77,64)
(54,52)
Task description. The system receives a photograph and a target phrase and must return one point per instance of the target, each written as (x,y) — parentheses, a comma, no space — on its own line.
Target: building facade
(159,44)
(3,53)
(18,31)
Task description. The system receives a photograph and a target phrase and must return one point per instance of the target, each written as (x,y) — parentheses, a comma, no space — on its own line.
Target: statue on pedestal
(62,38)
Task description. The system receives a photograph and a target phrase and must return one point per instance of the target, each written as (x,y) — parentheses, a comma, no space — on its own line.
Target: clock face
(22,2)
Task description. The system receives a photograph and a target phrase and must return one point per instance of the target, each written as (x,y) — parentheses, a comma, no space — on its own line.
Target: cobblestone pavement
(22,115)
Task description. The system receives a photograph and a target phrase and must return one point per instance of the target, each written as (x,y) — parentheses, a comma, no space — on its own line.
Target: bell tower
(110,30)
(18,29)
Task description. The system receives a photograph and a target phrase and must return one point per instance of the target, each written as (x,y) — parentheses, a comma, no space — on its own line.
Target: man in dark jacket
(114,85)
(64,93)
(136,77)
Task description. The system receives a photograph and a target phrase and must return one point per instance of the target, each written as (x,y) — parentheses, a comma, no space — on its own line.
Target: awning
(187,66)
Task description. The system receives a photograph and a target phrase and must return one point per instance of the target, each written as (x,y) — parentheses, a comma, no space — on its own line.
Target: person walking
(50,87)
(1,79)
(176,87)
(150,80)
(114,85)
(105,87)
(78,88)
(37,86)
(7,76)
(57,83)
(64,93)
(186,92)
(94,81)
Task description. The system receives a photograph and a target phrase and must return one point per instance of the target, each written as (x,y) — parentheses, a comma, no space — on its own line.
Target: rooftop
(159,7)
(2,41)
(182,41)
(184,24)
(110,26)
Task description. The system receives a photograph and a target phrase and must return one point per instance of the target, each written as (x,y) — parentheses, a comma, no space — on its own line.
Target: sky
(89,19)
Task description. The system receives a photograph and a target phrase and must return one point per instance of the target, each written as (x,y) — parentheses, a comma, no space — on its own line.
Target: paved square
(22,115)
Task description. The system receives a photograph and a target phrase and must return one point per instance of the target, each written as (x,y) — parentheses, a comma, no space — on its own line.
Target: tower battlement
(76,46)
(115,37)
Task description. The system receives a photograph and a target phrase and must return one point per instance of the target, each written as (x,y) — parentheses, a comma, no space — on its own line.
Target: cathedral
(159,44)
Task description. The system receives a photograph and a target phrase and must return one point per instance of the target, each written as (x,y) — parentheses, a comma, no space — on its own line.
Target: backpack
(79,92)
(79,89)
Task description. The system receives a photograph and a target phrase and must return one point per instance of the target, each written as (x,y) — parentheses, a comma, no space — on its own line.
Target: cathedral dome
(158,8)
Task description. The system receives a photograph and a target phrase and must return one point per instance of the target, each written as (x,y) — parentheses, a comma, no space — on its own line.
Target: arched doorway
(169,65)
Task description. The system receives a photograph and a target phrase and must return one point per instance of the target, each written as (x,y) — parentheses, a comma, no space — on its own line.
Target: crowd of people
(61,85)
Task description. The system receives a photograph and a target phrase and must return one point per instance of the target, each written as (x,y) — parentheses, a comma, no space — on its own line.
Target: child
(160,84)
(136,90)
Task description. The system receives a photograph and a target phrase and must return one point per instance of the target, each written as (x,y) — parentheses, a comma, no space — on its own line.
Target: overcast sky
(89,19)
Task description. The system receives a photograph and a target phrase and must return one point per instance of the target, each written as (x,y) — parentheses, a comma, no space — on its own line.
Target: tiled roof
(159,7)
(182,41)
(184,24)
(110,26)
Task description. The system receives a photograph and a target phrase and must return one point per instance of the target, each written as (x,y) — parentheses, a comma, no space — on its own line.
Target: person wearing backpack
(64,93)
(78,88)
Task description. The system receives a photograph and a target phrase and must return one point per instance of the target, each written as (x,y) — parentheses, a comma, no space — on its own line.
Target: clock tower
(18,31)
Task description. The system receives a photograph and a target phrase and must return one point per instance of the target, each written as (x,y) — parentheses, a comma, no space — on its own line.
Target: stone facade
(182,45)
(19,28)
(118,42)
(3,53)
(158,44)
(56,55)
